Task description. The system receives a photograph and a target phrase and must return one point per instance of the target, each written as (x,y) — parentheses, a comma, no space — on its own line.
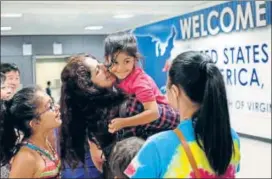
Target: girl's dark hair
(15,116)
(122,154)
(203,83)
(121,42)
(85,109)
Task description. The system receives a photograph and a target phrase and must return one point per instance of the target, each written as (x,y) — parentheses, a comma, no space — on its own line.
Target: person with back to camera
(122,55)
(121,155)
(204,145)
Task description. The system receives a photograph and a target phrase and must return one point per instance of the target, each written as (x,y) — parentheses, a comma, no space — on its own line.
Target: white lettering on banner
(259,12)
(224,27)
(210,29)
(216,21)
(244,18)
(186,28)
(204,32)
(240,75)
(196,26)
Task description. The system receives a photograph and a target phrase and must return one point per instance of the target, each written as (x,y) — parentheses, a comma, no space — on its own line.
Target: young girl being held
(122,59)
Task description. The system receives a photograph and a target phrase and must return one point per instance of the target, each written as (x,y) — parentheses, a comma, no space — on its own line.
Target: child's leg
(126,132)
(169,119)
(130,108)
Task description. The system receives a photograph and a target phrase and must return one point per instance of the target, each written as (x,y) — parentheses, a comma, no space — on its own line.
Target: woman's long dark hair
(16,114)
(86,110)
(203,83)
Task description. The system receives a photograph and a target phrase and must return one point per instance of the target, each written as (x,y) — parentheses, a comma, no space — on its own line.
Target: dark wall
(11,49)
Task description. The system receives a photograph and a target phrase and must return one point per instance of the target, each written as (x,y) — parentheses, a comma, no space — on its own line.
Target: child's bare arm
(151,113)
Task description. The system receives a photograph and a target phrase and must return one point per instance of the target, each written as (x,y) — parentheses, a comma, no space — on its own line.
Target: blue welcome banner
(237,35)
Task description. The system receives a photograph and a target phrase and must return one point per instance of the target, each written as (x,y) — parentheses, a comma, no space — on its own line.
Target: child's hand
(116,124)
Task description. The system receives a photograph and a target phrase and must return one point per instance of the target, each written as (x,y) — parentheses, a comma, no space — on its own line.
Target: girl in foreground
(31,112)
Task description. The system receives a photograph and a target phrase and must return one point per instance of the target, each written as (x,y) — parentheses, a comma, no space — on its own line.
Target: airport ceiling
(88,17)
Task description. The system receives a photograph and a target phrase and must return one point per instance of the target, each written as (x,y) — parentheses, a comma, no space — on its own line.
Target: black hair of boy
(8,67)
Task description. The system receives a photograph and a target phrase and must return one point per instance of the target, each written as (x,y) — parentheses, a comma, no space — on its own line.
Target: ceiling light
(5,28)
(122,2)
(123,16)
(11,15)
(93,27)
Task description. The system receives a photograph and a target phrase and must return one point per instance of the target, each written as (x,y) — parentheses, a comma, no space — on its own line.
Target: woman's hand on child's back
(116,124)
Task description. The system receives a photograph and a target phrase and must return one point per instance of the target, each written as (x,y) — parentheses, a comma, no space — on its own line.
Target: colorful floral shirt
(163,156)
